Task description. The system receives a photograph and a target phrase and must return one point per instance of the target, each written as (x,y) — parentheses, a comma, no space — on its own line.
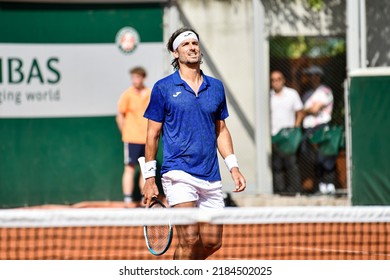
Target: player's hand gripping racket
(158,237)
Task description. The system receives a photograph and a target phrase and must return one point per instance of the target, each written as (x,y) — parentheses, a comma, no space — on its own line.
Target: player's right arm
(151,147)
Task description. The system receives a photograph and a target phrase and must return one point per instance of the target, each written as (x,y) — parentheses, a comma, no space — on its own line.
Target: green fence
(370,136)
(59,161)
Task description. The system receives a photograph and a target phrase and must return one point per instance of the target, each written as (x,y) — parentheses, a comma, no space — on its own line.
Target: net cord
(18,218)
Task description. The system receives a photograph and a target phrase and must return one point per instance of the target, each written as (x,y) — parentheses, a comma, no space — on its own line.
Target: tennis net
(274,233)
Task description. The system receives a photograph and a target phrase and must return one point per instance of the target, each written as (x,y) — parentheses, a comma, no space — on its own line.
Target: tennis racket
(158,237)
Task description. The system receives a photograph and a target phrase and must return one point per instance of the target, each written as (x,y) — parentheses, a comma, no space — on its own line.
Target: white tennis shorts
(180,187)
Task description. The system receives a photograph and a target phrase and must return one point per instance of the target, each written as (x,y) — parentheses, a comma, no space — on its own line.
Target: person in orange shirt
(133,126)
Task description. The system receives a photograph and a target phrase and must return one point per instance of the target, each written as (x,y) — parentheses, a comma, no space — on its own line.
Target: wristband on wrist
(231,161)
(150,169)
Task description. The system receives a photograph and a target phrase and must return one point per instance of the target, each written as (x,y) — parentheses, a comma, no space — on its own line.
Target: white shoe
(323,188)
(331,189)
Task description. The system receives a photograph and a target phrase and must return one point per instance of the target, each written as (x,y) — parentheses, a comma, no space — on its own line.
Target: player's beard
(190,60)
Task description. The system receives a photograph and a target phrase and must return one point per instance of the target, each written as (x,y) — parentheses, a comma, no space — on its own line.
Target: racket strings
(158,237)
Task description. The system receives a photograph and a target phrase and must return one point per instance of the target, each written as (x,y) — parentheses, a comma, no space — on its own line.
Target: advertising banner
(62,70)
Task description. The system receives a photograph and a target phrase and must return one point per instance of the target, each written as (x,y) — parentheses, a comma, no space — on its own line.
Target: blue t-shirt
(189,133)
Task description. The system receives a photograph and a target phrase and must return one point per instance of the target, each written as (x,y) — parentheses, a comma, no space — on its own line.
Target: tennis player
(189,109)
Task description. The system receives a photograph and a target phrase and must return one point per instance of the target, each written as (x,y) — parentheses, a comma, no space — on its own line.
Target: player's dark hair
(175,62)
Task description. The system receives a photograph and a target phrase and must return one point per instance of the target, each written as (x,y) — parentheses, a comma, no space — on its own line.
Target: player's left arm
(225,148)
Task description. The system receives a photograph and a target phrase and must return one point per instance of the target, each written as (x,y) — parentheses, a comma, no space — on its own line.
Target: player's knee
(212,245)
(129,169)
(191,242)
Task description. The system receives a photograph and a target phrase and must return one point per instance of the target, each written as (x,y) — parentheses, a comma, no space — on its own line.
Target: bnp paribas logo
(127,39)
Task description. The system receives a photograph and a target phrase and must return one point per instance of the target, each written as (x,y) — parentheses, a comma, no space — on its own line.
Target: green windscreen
(370,126)
(71,23)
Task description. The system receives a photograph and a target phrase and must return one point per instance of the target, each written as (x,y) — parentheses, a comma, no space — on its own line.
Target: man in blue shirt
(189,109)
